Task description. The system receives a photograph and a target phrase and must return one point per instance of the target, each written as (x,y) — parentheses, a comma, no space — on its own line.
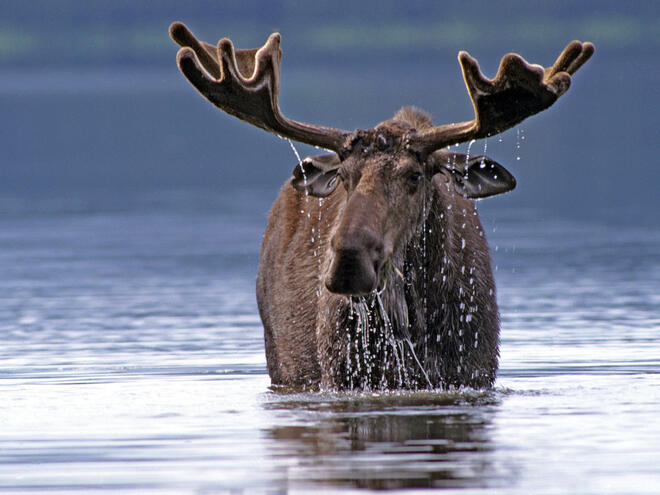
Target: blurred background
(92,101)
(131,215)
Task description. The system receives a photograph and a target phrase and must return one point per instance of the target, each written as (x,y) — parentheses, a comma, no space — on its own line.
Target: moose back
(375,271)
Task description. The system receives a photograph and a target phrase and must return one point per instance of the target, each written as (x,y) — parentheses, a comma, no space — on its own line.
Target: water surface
(132,361)
(132,357)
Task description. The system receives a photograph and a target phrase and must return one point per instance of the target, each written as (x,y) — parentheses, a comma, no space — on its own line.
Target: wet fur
(439,295)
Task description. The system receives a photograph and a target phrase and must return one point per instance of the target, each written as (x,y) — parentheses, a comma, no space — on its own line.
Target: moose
(385,282)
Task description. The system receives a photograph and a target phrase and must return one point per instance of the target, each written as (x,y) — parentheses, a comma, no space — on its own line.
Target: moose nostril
(377,252)
(373,244)
(377,256)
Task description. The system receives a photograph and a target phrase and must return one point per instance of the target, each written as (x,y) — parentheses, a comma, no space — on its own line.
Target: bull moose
(386,281)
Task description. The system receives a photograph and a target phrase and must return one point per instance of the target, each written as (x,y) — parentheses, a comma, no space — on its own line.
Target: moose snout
(356,262)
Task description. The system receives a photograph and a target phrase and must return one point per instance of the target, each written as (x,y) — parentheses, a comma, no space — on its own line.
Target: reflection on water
(388,441)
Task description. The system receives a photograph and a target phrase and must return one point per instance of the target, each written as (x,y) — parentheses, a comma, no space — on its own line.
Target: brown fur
(437,286)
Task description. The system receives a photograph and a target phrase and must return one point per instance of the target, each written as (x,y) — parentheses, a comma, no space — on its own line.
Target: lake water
(132,357)
(132,362)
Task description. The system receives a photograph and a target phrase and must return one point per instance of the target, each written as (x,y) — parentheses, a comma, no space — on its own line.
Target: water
(132,358)
(132,361)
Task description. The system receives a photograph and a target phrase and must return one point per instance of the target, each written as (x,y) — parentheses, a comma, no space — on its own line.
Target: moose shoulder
(375,271)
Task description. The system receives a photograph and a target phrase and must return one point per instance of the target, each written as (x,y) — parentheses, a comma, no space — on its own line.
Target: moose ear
(483,177)
(317,175)
(475,176)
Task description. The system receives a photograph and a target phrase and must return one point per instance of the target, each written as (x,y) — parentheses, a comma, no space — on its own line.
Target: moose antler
(246,84)
(519,90)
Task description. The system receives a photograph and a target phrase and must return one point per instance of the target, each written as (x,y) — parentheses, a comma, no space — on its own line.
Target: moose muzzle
(357,257)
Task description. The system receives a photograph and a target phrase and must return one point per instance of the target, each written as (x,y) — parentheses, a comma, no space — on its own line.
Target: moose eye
(415,177)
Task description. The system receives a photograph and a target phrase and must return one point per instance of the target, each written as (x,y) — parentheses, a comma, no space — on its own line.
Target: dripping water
(316,231)
(424,275)
(295,152)
(389,336)
(318,252)
(302,169)
(358,351)
(421,368)
(467,155)
(519,137)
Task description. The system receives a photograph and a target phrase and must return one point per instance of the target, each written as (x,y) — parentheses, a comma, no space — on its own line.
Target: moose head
(386,171)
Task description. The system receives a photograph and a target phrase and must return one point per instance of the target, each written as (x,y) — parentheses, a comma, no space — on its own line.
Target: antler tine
(519,90)
(246,84)
(206,53)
